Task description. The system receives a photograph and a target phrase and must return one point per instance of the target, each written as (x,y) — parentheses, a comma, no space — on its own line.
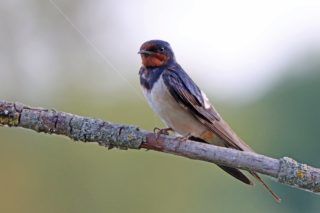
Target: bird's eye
(161,49)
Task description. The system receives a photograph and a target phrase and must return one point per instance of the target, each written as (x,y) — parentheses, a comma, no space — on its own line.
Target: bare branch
(284,170)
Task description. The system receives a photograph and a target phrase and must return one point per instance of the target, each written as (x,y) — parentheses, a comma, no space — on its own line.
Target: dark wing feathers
(187,93)
(237,174)
(223,130)
(231,171)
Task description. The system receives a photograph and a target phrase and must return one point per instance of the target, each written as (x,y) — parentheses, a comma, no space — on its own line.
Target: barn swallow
(183,107)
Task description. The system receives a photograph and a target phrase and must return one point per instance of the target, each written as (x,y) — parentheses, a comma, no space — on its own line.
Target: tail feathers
(237,174)
(240,176)
(258,178)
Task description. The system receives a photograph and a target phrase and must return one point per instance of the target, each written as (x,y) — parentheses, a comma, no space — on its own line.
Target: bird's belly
(172,113)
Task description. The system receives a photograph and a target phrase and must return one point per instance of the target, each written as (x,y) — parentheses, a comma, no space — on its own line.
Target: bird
(183,107)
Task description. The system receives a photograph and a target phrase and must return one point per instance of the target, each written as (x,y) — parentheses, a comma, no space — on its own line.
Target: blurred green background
(84,61)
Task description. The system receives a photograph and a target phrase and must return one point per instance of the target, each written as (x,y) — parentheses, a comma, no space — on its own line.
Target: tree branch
(284,170)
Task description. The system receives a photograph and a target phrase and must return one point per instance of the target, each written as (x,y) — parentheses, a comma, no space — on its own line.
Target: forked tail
(257,177)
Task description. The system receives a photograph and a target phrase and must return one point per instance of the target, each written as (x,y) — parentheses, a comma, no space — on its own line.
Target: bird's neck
(149,76)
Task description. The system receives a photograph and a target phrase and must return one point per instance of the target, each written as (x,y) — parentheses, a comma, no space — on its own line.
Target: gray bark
(78,128)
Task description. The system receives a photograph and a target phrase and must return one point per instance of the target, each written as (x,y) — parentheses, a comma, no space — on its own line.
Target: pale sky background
(234,47)
(234,50)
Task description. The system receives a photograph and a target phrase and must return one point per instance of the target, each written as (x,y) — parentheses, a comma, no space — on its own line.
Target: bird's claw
(164,131)
(184,138)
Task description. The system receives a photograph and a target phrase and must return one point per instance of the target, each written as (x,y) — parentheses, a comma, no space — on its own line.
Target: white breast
(172,113)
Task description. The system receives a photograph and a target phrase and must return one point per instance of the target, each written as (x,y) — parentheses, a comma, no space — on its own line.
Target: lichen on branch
(284,170)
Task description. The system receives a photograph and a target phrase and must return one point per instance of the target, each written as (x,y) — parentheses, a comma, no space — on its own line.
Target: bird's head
(156,53)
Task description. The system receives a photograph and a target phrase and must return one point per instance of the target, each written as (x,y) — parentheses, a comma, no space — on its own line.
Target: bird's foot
(164,131)
(184,138)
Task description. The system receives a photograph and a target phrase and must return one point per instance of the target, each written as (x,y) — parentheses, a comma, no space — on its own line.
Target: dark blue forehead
(159,43)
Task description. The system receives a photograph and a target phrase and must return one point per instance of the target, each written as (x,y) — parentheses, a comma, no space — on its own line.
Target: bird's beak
(145,52)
